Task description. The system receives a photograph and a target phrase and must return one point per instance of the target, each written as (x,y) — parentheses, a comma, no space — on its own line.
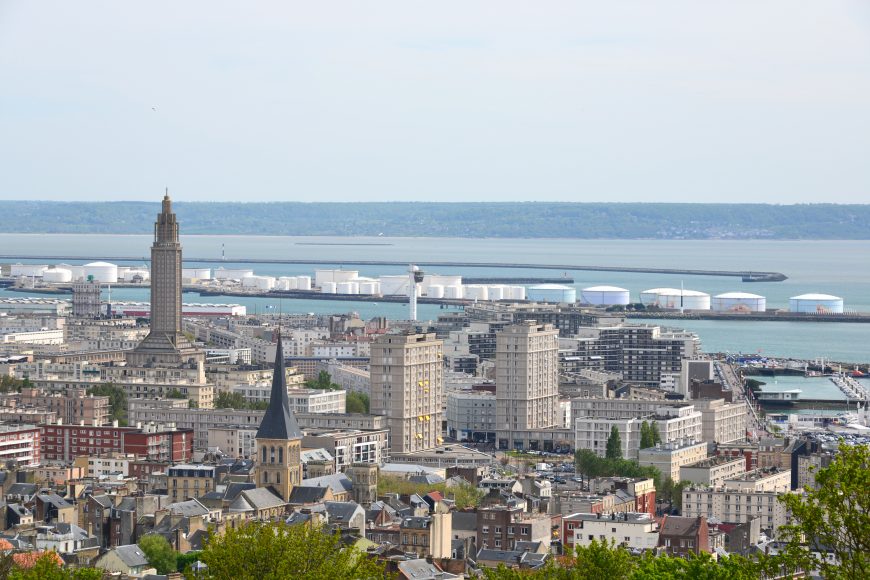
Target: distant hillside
(523,220)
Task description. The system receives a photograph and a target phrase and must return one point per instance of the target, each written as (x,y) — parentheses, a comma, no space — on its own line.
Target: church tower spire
(279,439)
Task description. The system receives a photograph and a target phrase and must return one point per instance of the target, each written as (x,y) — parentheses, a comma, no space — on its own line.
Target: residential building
(500,527)
(681,536)
(21,444)
(722,422)
(407,387)
(628,529)
(349,446)
(471,416)
(301,400)
(527,382)
(668,458)
(714,471)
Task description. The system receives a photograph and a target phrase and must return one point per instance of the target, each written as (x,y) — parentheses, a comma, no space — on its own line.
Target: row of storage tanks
(102,272)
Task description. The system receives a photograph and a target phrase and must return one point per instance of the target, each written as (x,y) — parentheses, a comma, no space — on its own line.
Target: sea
(830,267)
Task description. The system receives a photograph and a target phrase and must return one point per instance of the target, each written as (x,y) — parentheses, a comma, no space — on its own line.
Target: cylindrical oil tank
(518,292)
(196,273)
(738,302)
(347,288)
(476,292)
(287,283)
(454,292)
(496,292)
(282,284)
(31,270)
(604,295)
(232,273)
(102,271)
(122,272)
(328,288)
(552,293)
(369,287)
(78,272)
(55,275)
(816,304)
(435,291)
(440,280)
(259,282)
(394,285)
(321,276)
(136,275)
(675,299)
(303,282)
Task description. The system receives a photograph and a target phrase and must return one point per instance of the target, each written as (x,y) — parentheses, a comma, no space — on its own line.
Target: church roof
(279,421)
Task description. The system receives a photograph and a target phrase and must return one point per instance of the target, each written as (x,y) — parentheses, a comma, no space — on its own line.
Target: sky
(665,101)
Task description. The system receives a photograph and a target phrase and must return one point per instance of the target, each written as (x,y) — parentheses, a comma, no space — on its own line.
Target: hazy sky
(454,101)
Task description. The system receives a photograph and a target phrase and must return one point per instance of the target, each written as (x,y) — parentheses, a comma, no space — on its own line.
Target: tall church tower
(279,439)
(165,344)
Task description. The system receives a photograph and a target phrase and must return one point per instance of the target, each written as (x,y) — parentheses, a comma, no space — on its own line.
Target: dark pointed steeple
(279,421)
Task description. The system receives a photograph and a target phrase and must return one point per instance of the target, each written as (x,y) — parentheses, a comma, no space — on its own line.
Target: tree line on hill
(448,219)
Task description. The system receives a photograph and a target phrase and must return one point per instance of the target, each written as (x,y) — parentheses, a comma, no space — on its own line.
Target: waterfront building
(527,383)
(407,387)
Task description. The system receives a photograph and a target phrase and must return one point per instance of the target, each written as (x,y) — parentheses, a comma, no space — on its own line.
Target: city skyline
(670,102)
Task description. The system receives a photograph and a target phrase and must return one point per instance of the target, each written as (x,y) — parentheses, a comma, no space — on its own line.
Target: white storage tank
(496,292)
(303,282)
(55,275)
(454,292)
(29,270)
(675,298)
(738,302)
(232,273)
(259,282)
(287,283)
(122,272)
(328,288)
(136,275)
(347,288)
(102,271)
(196,273)
(394,285)
(440,280)
(604,296)
(552,293)
(78,272)
(518,292)
(475,292)
(435,291)
(369,288)
(816,304)
(321,276)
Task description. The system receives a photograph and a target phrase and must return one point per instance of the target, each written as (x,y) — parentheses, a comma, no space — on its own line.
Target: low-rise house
(346,515)
(681,536)
(129,560)
(260,503)
(634,530)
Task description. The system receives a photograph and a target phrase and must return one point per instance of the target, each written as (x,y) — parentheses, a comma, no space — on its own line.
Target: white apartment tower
(407,387)
(527,379)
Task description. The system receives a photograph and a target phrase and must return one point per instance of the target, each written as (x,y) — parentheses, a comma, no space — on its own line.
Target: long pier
(746,275)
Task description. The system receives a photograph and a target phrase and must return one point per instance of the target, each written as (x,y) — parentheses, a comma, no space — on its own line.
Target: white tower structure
(415,276)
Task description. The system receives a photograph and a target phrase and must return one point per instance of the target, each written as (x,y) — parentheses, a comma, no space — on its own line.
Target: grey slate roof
(22,489)
(305,494)
(187,508)
(426,478)
(338,482)
(279,421)
(131,555)
(262,498)
(341,511)
(465,521)
(422,570)
(54,500)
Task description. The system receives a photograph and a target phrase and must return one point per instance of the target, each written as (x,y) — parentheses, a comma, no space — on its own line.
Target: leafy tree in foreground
(159,553)
(47,567)
(275,551)
(614,444)
(835,516)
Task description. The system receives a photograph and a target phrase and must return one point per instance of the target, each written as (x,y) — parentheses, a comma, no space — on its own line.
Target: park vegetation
(465,495)
(117,400)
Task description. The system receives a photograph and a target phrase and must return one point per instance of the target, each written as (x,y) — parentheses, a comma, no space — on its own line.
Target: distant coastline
(517,220)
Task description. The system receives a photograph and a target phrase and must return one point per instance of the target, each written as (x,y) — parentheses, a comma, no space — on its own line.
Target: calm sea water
(831,267)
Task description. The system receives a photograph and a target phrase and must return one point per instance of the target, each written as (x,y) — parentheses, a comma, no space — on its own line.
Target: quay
(767,316)
(745,275)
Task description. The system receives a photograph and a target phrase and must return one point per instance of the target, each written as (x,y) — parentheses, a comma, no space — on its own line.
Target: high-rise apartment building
(407,387)
(527,380)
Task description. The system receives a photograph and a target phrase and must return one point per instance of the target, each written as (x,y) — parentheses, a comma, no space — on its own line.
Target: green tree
(159,553)
(836,515)
(656,436)
(323,381)
(666,491)
(614,444)
(226,400)
(275,551)
(646,437)
(117,400)
(357,402)
(185,560)
(47,567)
(175,394)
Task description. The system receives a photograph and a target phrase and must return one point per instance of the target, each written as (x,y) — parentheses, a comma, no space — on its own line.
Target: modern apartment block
(407,387)
(670,457)
(527,381)
(471,416)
